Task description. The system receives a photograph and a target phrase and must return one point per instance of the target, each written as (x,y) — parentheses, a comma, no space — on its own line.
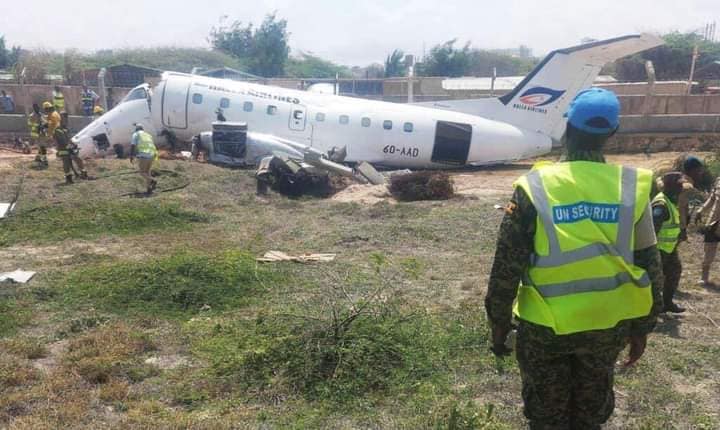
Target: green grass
(88,220)
(180,284)
(14,310)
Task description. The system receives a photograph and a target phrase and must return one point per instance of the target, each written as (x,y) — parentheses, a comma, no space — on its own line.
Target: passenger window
(408,127)
(320,117)
(224,103)
(271,110)
(197,98)
(387,125)
(344,119)
(248,106)
(365,122)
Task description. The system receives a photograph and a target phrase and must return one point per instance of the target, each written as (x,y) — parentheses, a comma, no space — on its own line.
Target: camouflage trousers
(567,381)
(672,269)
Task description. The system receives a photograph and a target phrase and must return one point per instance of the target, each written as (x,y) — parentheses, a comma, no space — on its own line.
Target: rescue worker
(143,148)
(67,150)
(58,100)
(709,220)
(666,218)
(51,122)
(35,124)
(88,98)
(577,255)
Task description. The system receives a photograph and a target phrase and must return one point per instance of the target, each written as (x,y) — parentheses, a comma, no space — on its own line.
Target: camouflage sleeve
(649,259)
(512,256)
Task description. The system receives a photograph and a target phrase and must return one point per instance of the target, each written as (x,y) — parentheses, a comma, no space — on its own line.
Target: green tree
(446,60)
(8,57)
(311,66)
(672,61)
(395,64)
(264,49)
(3,53)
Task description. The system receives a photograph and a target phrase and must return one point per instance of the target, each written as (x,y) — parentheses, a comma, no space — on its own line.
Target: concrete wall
(671,104)
(661,142)
(641,88)
(670,123)
(41,93)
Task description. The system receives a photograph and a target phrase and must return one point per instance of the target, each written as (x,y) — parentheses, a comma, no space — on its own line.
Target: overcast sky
(356,32)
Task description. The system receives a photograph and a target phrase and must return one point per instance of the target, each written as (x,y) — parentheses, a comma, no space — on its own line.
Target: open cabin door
(452,143)
(175,101)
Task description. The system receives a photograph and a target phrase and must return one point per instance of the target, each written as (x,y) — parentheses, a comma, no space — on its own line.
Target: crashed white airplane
(522,124)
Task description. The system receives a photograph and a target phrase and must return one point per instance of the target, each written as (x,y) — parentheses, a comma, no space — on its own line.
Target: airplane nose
(86,146)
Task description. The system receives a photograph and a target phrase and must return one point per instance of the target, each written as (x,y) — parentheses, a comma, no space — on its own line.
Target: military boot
(68,180)
(83,174)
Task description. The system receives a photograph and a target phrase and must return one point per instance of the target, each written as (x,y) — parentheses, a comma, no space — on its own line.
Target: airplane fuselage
(381,133)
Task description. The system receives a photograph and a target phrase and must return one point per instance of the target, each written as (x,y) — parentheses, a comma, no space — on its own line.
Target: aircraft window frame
(320,117)
(344,119)
(248,106)
(366,122)
(408,127)
(271,110)
(224,103)
(388,124)
(197,98)
(136,94)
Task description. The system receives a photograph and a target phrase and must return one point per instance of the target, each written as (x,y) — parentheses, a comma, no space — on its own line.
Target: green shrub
(87,221)
(170,286)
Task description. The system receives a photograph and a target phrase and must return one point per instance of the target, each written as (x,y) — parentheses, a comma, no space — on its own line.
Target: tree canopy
(307,65)
(672,61)
(264,49)
(395,64)
(447,60)
(8,57)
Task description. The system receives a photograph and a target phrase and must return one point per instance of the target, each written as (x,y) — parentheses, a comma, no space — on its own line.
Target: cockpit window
(136,94)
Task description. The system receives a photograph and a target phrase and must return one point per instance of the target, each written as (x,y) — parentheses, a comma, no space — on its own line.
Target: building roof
(229,73)
(502,83)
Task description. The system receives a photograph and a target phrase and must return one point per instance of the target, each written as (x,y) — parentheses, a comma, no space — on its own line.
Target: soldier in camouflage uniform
(567,380)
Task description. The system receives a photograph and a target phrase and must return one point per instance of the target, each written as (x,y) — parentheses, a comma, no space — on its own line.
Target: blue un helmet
(595,111)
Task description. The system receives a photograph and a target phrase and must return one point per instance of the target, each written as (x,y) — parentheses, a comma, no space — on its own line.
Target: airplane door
(174,102)
(298,115)
(452,143)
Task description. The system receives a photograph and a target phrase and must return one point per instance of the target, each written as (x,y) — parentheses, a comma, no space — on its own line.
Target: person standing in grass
(577,263)
(709,220)
(669,229)
(143,148)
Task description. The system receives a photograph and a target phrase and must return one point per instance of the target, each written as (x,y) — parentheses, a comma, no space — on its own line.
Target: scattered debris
(274,256)
(424,185)
(19,276)
(5,209)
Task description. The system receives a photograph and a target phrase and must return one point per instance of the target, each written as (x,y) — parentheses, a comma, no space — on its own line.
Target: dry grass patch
(110,351)
(30,348)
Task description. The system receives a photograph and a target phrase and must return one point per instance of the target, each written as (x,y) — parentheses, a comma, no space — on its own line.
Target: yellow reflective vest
(670,231)
(58,101)
(582,275)
(145,144)
(33,124)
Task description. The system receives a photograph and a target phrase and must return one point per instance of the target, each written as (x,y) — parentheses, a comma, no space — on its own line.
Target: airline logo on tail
(536,97)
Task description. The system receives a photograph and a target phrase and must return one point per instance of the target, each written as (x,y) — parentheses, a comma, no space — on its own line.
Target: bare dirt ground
(494,181)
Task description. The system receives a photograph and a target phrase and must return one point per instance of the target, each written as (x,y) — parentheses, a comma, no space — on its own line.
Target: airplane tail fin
(539,102)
